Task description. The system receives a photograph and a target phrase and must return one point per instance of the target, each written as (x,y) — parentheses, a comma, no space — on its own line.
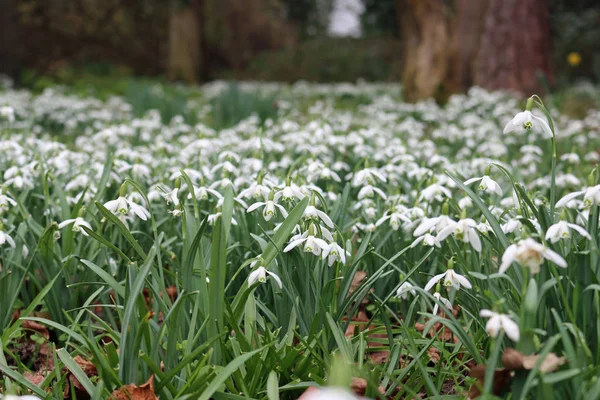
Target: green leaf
(123,229)
(484,210)
(226,372)
(76,370)
(284,232)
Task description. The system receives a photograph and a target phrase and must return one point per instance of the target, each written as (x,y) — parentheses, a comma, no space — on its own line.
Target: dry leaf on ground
(133,392)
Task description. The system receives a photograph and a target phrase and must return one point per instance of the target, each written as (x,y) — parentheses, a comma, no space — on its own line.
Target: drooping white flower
(334,252)
(212,218)
(500,322)
(404,290)
(5,202)
(591,196)
(270,209)
(435,192)
(465,202)
(122,206)
(312,244)
(527,120)
(442,300)
(172,197)
(290,192)
(367,176)
(464,230)
(329,394)
(6,238)
(14,397)
(562,230)
(77,224)
(428,239)
(433,224)
(260,275)
(530,254)
(450,278)
(369,191)
(395,218)
(486,184)
(7,113)
(202,192)
(311,212)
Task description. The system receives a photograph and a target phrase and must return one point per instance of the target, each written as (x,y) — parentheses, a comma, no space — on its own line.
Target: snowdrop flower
(5,237)
(465,202)
(498,322)
(367,176)
(334,252)
(486,184)
(212,218)
(255,190)
(312,213)
(270,207)
(591,196)
(177,212)
(122,206)
(172,197)
(527,120)
(290,192)
(404,290)
(442,300)
(369,191)
(435,192)
(450,278)
(202,192)
(530,254)
(7,113)
(329,394)
(431,224)
(465,230)
(395,218)
(78,223)
(13,397)
(260,275)
(428,239)
(5,202)
(562,230)
(312,244)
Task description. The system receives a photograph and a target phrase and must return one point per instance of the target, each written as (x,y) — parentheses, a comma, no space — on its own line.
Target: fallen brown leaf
(37,327)
(35,378)
(359,386)
(133,392)
(502,378)
(514,359)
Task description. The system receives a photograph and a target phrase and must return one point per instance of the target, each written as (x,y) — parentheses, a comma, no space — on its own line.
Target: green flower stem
(553,182)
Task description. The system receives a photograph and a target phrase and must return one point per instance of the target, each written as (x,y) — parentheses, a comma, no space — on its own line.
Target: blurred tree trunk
(185,43)
(9,45)
(425,31)
(450,46)
(515,46)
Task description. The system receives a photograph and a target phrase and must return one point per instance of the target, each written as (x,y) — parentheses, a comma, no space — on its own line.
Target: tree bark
(496,44)
(185,45)
(9,46)
(425,28)
(515,46)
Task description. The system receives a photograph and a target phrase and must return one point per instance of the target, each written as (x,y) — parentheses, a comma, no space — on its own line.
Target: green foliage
(234,104)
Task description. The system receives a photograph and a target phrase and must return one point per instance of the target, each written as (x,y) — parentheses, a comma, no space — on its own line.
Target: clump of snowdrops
(226,263)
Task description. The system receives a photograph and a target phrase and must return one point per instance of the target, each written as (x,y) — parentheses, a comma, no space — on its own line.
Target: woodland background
(435,47)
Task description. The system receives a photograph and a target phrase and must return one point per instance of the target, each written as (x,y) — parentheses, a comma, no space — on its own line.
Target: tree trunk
(185,45)
(515,46)
(496,44)
(425,28)
(468,23)
(9,45)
